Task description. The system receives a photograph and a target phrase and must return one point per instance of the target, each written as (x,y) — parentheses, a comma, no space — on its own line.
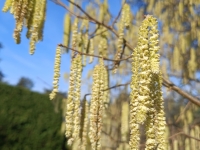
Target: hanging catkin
(96,106)
(56,73)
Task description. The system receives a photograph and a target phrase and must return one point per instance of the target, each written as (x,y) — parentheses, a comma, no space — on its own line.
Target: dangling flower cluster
(30,13)
(56,73)
(85,125)
(125,22)
(91,50)
(96,107)
(74,34)
(67,28)
(73,101)
(146,104)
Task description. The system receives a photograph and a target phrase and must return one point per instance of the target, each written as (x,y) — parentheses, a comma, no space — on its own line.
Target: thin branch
(185,135)
(59,2)
(185,108)
(181,92)
(100,23)
(61,45)
(112,87)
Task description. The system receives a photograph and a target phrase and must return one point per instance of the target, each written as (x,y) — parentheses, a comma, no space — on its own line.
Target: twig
(179,117)
(185,135)
(181,92)
(61,45)
(112,87)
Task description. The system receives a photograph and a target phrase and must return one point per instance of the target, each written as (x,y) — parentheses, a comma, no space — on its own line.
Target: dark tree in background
(1,73)
(25,83)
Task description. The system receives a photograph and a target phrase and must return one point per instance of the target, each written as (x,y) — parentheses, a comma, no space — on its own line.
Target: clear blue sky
(16,62)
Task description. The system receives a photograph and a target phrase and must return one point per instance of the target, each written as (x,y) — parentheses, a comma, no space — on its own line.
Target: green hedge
(28,121)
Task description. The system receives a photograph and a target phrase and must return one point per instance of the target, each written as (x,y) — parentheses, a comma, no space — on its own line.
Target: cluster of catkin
(73,101)
(146,104)
(30,13)
(77,131)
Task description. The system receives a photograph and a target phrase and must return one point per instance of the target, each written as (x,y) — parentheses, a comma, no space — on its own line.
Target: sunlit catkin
(38,21)
(74,34)
(144,73)
(7,5)
(67,28)
(91,50)
(85,125)
(77,97)
(192,65)
(70,101)
(96,107)
(153,45)
(56,73)
(134,126)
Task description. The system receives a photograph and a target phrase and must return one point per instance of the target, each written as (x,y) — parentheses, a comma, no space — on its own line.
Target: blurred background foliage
(29,120)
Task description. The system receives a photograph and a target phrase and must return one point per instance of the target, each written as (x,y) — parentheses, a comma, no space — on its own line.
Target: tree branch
(61,45)
(181,92)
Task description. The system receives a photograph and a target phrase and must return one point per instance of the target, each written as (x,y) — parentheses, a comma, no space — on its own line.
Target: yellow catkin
(85,126)
(124,121)
(134,126)
(144,73)
(19,21)
(103,47)
(30,13)
(7,5)
(67,28)
(124,22)
(38,20)
(74,34)
(29,17)
(106,86)
(192,65)
(146,104)
(91,50)
(96,107)
(56,73)
(77,95)
(70,101)
(73,102)
(153,46)
(160,123)
(197,135)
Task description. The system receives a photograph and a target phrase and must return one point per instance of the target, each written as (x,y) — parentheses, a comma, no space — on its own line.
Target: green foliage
(28,121)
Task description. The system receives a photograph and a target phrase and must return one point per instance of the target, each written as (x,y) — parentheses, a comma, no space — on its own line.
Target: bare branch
(185,135)
(95,55)
(181,92)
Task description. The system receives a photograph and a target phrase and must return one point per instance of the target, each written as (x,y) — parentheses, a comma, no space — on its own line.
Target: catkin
(134,126)
(30,13)
(67,28)
(85,126)
(70,101)
(96,107)
(7,5)
(77,95)
(73,102)
(146,104)
(124,22)
(56,73)
(91,50)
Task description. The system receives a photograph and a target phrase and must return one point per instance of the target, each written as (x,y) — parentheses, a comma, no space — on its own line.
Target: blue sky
(16,62)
